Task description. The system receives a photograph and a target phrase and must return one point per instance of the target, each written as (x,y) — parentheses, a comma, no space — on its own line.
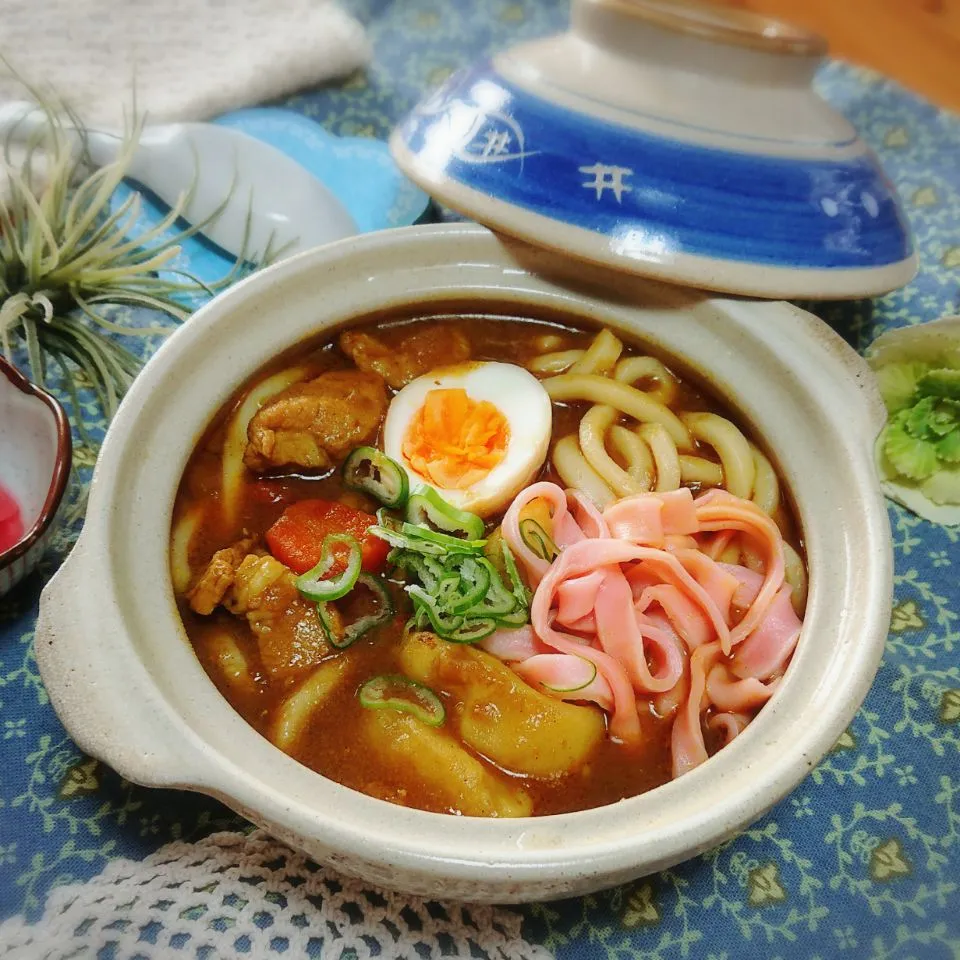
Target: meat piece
(209,590)
(311,424)
(260,588)
(286,626)
(432,345)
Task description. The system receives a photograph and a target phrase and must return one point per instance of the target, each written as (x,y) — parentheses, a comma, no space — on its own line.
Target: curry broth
(332,743)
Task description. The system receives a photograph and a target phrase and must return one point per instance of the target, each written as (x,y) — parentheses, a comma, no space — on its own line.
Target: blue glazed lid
(671,139)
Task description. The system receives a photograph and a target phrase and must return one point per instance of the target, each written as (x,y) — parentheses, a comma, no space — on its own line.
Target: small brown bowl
(35,457)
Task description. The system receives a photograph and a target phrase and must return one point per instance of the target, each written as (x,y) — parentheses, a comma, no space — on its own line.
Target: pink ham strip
(577,598)
(732,724)
(621,636)
(719,583)
(648,518)
(590,521)
(512,646)
(686,738)
(718,543)
(727,692)
(679,512)
(666,704)
(667,568)
(584,557)
(566,677)
(749,586)
(657,627)
(625,721)
(637,519)
(718,510)
(536,567)
(766,651)
(687,617)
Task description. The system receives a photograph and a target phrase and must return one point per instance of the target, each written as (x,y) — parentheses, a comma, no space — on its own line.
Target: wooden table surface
(914,41)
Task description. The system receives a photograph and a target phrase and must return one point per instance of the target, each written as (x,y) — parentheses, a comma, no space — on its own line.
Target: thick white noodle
(631,369)
(700,470)
(601,355)
(635,454)
(593,434)
(731,446)
(555,362)
(230,660)
(569,462)
(665,456)
(299,707)
(766,489)
(796,575)
(634,403)
(183,532)
(548,341)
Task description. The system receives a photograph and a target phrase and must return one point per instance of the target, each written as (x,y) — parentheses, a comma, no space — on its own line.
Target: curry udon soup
(486,566)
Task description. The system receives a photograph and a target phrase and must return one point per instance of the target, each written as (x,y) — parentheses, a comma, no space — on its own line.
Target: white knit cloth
(234,895)
(189,59)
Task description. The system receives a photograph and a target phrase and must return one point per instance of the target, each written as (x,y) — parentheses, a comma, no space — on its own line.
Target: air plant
(66,258)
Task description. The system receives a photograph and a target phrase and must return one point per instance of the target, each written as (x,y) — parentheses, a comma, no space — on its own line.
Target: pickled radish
(11,521)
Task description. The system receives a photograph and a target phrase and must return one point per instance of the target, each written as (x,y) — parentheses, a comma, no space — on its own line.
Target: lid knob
(603,20)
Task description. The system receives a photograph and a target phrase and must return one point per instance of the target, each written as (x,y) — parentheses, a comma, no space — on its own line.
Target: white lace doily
(247,895)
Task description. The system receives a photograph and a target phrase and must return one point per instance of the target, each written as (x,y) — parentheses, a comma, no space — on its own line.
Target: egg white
(526,407)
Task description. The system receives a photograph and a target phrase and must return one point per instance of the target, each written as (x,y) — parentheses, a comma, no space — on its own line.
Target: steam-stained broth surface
(340,738)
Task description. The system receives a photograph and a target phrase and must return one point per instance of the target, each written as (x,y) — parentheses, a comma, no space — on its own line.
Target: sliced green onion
(498,601)
(387,519)
(471,631)
(538,540)
(450,544)
(456,629)
(427,508)
(421,540)
(515,618)
(371,471)
(393,692)
(516,581)
(427,569)
(342,636)
(473,581)
(402,542)
(586,683)
(314,585)
(457,592)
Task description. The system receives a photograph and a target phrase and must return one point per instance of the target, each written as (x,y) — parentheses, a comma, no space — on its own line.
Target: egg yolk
(453,441)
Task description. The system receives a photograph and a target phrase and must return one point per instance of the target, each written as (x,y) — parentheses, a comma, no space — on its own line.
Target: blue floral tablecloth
(861,860)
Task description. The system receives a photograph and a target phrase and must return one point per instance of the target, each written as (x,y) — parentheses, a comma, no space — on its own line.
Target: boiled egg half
(475,432)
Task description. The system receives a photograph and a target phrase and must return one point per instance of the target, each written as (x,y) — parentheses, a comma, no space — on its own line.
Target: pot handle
(95,690)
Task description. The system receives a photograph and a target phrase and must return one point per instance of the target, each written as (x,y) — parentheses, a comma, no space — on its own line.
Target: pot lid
(671,139)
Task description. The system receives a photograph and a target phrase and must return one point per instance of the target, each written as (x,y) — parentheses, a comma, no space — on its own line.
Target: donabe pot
(124,679)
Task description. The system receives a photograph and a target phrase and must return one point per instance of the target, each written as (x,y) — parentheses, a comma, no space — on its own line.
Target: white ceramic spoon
(284,201)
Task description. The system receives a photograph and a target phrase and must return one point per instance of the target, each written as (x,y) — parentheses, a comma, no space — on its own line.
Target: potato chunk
(498,714)
(445,768)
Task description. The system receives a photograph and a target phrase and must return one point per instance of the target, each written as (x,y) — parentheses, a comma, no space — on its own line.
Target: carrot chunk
(296,539)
